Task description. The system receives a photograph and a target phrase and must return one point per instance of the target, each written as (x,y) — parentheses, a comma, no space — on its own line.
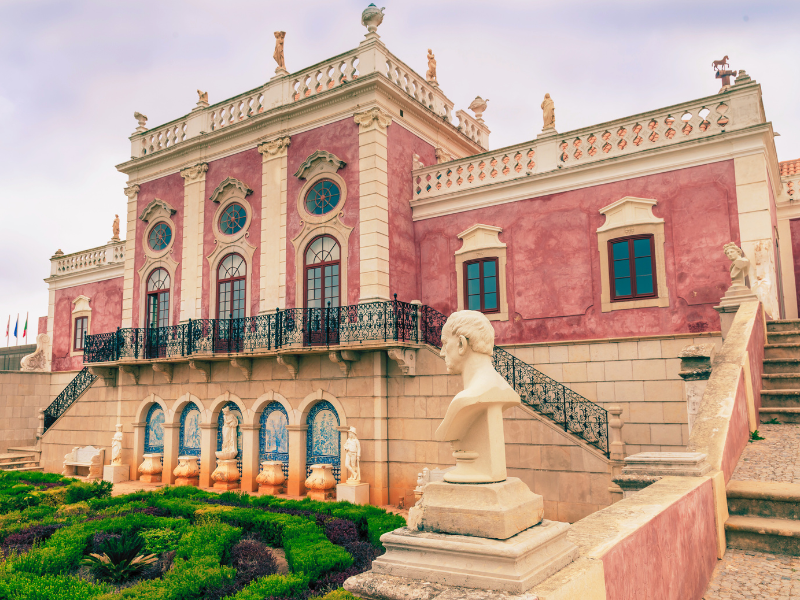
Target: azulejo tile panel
(154,431)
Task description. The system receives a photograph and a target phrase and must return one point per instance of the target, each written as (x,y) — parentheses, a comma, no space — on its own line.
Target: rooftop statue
(115,229)
(548,113)
(431,74)
(278,55)
(202,96)
(473,423)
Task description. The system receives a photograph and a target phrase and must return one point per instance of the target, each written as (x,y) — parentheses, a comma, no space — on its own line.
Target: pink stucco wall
(794,228)
(553,272)
(402,145)
(341,139)
(41,325)
(672,557)
(105,300)
(246,167)
(755,350)
(170,190)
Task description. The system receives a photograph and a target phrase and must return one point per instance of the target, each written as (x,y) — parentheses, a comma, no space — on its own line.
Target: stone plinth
(321,483)
(645,468)
(355,493)
(116,473)
(226,475)
(729,304)
(151,468)
(271,479)
(188,471)
(513,565)
(487,510)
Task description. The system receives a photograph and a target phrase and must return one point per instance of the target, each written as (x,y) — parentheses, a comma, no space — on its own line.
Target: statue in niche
(116,446)
(278,56)
(202,96)
(740,266)
(548,113)
(115,229)
(431,74)
(473,423)
(352,457)
(230,434)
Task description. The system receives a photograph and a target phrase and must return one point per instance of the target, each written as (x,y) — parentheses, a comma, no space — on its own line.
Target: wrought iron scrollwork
(74,390)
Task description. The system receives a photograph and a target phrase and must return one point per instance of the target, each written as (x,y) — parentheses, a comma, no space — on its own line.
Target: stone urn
(372,17)
(188,471)
(321,484)
(271,479)
(151,468)
(226,475)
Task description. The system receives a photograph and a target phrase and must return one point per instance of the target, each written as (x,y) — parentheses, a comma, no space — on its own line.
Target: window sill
(628,304)
(497,316)
(76,353)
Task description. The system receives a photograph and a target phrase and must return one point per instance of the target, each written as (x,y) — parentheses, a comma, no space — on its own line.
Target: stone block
(666,435)
(649,369)
(579,353)
(604,352)
(559,354)
(541,354)
(667,390)
(354,493)
(645,412)
(116,473)
(595,371)
(629,391)
(606,391)
(618,370)
(628,350)
(649,349)
(675,412)
(574,372)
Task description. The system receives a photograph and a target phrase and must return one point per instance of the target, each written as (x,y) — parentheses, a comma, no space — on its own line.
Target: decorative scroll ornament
(215,197)
(155,209)
(194,172)
(274,147)
(319,157)
(131,191)
(38,360)
(366,119)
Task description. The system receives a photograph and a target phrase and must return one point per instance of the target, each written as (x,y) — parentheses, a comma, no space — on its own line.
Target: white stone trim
(274,174)
(81,308)
(167,263)
(194,191)
(320,171)
(626,217)
(337,230)
(482,241)
(222,249)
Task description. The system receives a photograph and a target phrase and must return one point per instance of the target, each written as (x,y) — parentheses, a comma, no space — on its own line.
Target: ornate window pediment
(320,161)
(230,181)
(157,208)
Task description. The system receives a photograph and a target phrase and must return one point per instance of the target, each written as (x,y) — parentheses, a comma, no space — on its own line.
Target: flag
(25,331)
(16,326)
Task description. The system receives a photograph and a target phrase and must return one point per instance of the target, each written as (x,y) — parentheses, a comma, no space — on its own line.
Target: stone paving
(776,458)
(748,574)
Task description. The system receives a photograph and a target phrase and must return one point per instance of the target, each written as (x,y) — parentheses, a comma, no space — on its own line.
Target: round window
(233,219)
(160,237)
(323,197)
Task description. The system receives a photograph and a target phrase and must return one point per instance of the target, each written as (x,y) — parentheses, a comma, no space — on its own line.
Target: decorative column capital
(194,172)
(374,115)
(131,191)
(276,147)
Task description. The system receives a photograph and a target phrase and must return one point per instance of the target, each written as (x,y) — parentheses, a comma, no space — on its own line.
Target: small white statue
(548,113)
(230,426)
(352,457)
(740,266)
(473,423)
(116,446)
(115,229)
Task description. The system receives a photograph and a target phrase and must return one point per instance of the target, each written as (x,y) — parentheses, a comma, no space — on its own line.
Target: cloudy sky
(72,73)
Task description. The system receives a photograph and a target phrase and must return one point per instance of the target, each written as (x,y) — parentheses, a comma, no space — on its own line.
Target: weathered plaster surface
(403,256)
(794,227)
(246,167)
(106,303)
(553,278)
(340,138)
(169,189)
(42,325)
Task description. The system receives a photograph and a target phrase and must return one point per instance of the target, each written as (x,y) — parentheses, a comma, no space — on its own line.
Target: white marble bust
(473,423)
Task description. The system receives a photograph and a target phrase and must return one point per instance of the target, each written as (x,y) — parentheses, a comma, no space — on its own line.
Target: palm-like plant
(121,558)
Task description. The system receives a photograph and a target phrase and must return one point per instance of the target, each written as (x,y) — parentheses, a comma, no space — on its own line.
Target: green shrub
(340,594)
(120,558)
(211,538)
(81,490)
(309,551)
(272,585)
(25,586)
(160,540)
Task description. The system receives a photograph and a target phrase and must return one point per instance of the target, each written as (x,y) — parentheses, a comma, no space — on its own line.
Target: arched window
(158,299)
(322,437)
(234,409)
(322,290)
(231,286)
(189,444)
(154,431)
(274,436)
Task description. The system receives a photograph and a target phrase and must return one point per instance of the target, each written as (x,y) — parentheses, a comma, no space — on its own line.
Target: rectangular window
(632,263)
(480,283)
(81,325)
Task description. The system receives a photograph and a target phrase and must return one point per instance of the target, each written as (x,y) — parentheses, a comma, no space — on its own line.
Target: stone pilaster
(273,223)
(194,191)
(297,460)
(132,192)
(374,204)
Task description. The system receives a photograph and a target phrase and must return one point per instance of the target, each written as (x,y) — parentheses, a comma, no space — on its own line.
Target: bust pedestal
(226,475)
(188,471)
(116,473)
(736,295)
(355,492)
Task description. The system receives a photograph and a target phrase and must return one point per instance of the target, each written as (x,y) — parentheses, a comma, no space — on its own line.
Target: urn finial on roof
(371,18)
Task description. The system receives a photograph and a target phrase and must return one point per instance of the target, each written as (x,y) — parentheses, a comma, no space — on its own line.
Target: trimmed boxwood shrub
(26,586)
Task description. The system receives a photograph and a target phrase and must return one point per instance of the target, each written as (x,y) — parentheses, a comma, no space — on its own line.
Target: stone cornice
(194,172)
(246,191)
(100,273)
(276,147)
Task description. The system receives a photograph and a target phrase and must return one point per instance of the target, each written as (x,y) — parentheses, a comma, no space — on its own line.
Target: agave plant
(121,558)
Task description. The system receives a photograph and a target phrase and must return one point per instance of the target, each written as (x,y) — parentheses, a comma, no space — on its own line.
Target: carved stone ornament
(352,457)
(405,358)
(291,363)
(131,371)
(155,209)
(321,483)
(548,113)
(141,121)
(203,367)
(275,147)
(373,115)
(245,365)
(38,360)
(194,172)
(246,191)
(131,191)
(271,479)
(188,471)
(165,368)
(151,468)
(372,17)
(319,157)
(343,358)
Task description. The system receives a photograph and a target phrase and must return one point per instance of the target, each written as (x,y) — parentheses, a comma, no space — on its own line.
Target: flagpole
(8,332)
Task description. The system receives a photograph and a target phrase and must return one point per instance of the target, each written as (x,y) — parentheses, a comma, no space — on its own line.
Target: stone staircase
(780,394)
(764,516)
(23,458)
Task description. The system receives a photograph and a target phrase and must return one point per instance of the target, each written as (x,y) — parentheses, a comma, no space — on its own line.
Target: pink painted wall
(553,272)
(246,167)
(402,145)
(340,138)
(105,300)
(794,228)
(672,557)
(170,190)
(42,325)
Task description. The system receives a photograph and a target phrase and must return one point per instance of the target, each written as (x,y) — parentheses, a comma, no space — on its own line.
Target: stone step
(12,466)
(781,365)
(783,337)
(783,325)
(777,536)
(777,398)
(26,449)
(32,468)
(784,414)
(780,381)
(765,499)
(16,456)
(782,351)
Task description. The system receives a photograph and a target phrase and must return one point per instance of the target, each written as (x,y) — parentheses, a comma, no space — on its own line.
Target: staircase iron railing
(74,390)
